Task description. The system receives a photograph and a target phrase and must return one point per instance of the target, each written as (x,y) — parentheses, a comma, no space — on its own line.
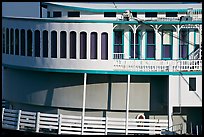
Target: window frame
(138,36)
(56,12)
(187,45)
(109,14)
(76,14)
(146,46)
(192,86)
(122,44)
(171,44)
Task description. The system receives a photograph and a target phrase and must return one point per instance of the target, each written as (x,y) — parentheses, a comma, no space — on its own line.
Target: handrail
(65,124)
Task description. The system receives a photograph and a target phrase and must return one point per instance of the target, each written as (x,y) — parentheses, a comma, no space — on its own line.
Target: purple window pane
(183,37)
(151,51)
(93,45)
(73,45)
(136,51)
(118,37)
(37,43)
(118,49)
(150,37)
(166,51)
(53,44)
(184,51)
(104,45)
(83,45)
(63,39)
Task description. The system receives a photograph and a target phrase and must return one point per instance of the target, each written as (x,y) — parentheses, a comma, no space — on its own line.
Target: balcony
(157,65)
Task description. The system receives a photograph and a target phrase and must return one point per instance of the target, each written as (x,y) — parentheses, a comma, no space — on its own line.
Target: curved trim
(63,20)
(102,71)
(115,10)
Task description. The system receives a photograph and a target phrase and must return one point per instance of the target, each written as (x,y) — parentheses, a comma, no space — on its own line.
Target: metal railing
(157,65)
(67,124)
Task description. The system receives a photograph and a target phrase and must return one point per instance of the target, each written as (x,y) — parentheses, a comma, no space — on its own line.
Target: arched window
(104,46)
(37,43)
(11,41)
(63,44)
(73,45)
(29,43)
(3,41)
(93,45)
(53,44)
(83,45)
(16,42)
(22,42)
(45,43)
(7,41)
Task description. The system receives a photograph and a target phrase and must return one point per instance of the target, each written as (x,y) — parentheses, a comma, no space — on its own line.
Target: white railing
(157,65)
(196,54)
(66,124)
(118,55)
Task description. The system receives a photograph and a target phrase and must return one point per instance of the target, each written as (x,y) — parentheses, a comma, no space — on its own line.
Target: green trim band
(102,71)
(116,10)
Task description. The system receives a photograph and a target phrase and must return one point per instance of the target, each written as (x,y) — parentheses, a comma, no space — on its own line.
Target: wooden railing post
(37,121)
(3,114)
(59,123)
(106,127)
(19,120)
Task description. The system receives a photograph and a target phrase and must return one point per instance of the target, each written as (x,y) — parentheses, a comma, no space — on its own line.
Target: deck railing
(66,124)
(157,65)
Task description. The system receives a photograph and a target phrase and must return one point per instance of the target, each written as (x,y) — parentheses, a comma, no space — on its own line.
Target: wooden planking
(27,125)
(48,119)
(10,114)
(95,118)
(28,117)
(27,121)
(10,118)
(71,132)
(70,117)
(94,130)
(71,124)
(9,126)
(28,113)
(49,127)
(71,128)
(48,115)
(95,126)
(96,122)
(90,133)
(48,123)
(10,123)
(11,111)
(71,121)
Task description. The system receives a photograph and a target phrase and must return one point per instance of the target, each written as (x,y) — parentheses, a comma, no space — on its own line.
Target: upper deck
(160,46)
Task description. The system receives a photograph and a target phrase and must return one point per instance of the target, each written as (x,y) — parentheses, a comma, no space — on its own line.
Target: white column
(77,45)
(41,43)
(33,42)
(99,47)
(88,48)
(126,44)
(191,41)
(158,44)
(2,81)
(83,105)
(127,104)
(170,107)
(143,44)
(49,44)
(175,49)
(68,45)
(58,44)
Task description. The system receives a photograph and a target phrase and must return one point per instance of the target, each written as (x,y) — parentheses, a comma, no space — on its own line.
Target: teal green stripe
(61,20)
(117,10)
(102,71)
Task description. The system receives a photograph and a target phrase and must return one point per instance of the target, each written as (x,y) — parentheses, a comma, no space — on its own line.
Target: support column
(170,107)
(158,44)
(175,48)
(127,104)
(143,44)
(83,105)
(2,82)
